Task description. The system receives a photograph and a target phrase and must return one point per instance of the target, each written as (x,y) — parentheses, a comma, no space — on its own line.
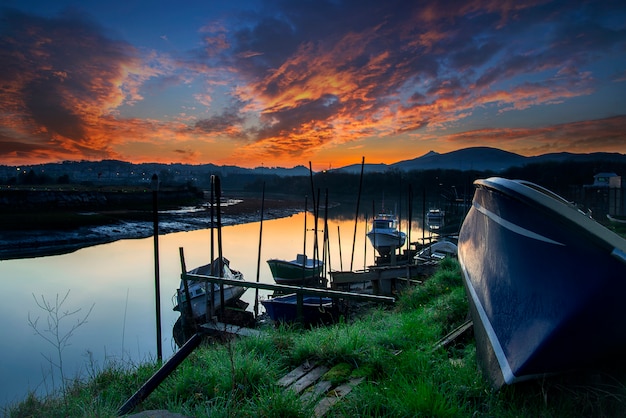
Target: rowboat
(436,252)
(301,271)
(545,282)
(315,309)
(384,235)
(199,289)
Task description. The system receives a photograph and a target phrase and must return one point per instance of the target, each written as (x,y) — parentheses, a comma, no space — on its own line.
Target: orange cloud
(608,135)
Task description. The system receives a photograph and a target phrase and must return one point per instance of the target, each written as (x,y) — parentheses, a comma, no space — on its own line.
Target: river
(117,282)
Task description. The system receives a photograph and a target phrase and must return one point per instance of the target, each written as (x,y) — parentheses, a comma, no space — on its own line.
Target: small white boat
(384,235)
(435,218)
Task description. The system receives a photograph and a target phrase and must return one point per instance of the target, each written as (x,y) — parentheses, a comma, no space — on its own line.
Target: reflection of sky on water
(119,279)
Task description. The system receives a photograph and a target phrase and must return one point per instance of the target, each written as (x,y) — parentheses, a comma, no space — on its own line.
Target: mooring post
(154,185)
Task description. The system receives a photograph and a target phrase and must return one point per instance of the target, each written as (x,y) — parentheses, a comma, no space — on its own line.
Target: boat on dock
(385,235)
(302,271)
(199,289)
(382,280)
(436,252)
(315,309)
(545,283)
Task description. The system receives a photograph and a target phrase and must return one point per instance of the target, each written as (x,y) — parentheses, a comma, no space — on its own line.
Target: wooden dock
(308,380)
(223,328)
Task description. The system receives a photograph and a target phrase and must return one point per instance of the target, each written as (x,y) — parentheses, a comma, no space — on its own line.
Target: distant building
(611,180)
(605,195)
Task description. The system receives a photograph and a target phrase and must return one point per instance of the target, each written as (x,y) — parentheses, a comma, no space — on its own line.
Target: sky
(280,83)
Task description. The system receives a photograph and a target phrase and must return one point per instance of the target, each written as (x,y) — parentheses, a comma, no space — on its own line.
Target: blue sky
(282,83)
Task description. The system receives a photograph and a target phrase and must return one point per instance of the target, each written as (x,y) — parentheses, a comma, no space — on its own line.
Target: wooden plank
(456,333)
(336,294)
(335,395)
(231,329)
(348,277)
(308,379)
(318,390)
(296,373)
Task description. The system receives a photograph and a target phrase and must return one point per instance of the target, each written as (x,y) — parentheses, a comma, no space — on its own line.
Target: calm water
(118,280)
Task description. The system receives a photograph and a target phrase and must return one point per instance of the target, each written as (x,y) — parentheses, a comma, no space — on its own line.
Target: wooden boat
(383,280)
(436,252)
(301,271)
(198,290)
(384,235)
(545,282)
(315,309)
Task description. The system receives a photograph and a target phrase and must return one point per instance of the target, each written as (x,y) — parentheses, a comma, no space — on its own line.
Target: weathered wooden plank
(231,329)
(296,373)
(308,379)
(318,390)
(335,395)
(456,333)
(336,294)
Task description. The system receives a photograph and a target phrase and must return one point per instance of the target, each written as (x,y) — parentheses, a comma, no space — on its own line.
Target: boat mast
(356,218)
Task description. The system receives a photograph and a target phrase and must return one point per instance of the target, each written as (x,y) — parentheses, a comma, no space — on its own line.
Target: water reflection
(119,279)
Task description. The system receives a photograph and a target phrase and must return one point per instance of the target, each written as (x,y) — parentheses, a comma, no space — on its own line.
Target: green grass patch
(394,349)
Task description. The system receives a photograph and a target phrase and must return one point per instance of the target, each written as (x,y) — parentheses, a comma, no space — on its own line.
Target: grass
(392,348)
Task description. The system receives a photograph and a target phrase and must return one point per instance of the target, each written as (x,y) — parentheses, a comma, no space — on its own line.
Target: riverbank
(399,356)
(41,232)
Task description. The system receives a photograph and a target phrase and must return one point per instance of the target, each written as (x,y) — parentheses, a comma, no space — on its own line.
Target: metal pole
(155,212)
(356,218)
(211,300)
(340,255)
(304,245)
(258,260)
(220,263)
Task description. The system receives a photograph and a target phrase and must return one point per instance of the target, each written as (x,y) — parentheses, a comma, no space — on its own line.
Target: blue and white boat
(545,282)
(384,235)
(435,219)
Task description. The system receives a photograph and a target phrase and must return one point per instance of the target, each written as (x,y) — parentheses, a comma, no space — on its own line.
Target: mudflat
(42,231)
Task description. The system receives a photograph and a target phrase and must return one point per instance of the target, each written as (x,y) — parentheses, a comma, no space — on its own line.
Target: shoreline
(31,243)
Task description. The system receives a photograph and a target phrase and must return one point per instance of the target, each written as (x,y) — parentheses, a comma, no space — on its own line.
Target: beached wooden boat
(436,252)
(301,271)
(545,282)
(315,309)
(199,289)
(384,235)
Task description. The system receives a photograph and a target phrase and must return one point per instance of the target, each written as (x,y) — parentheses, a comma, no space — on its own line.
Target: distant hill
(479,159)
(122,172)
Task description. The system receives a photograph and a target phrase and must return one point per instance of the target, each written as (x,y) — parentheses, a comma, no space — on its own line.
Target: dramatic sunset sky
(285,82)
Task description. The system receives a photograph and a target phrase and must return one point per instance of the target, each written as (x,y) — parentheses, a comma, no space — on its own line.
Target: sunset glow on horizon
(281,83)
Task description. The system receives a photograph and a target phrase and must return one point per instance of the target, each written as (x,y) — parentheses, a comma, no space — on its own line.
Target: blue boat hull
(315,309)
(546,283)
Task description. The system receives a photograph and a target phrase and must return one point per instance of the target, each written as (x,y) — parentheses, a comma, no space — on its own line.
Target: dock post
(155,212)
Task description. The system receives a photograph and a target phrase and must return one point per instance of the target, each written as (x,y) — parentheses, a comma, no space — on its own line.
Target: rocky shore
(25,242)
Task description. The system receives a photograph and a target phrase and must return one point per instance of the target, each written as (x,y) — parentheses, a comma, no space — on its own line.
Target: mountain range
(479,159)
(476,158)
